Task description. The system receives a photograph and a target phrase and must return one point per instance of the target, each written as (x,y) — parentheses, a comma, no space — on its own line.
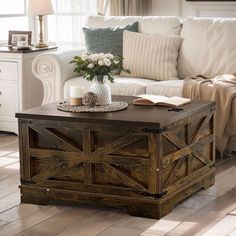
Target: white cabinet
(19,89)
(8,101)
(8,70)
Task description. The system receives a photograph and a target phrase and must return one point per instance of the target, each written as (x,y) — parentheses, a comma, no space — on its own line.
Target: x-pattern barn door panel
(80,156)
(188,152)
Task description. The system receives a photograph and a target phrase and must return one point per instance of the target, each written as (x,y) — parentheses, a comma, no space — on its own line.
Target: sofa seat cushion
(122,86)
(166,88)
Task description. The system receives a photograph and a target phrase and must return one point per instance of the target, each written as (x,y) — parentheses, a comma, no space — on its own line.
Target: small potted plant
(99,68)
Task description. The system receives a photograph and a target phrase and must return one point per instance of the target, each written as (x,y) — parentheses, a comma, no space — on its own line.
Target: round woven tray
(115,106)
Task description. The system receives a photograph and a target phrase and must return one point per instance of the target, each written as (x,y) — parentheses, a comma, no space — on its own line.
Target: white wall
(184,9)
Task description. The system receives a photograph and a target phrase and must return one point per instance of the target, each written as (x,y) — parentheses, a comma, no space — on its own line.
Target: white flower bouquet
(98,65)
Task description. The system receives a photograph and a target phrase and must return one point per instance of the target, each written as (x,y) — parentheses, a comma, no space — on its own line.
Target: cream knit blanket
(221,89)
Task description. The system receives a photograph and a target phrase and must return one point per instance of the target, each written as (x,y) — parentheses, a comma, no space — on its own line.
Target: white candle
(76,92)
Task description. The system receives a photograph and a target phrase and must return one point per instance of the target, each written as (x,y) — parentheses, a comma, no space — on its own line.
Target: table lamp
(40,8)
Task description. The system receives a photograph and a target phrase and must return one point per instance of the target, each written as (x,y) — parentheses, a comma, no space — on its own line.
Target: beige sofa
(208,48)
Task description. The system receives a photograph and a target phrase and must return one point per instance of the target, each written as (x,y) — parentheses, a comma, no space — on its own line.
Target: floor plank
(59,222)
(223,227)
(118,231)
(9,185)
(30,220)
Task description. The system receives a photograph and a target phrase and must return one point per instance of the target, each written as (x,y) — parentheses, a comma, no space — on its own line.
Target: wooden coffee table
(145,159)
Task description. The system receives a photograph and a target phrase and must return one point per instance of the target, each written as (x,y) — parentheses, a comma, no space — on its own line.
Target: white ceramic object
(103,91)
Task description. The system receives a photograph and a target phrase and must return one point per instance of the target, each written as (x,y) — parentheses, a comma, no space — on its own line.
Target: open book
(147,99)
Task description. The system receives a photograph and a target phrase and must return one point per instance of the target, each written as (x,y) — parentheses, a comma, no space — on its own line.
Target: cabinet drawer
(8,100)
(8,70)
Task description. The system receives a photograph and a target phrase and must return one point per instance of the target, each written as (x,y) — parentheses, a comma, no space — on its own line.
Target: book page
(162,100)
(177,101)
(154,98)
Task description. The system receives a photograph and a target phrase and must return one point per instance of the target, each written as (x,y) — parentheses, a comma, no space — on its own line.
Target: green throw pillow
(107,40)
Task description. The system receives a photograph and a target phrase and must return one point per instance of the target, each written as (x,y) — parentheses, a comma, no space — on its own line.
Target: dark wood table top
(9,49)
(140,115)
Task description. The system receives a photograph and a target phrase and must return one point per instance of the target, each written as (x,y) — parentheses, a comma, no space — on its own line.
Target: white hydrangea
(94,57)
(98,58)
(109,55)
(116,61)
(91,65)
(84,56)
(107,61)
(101,62)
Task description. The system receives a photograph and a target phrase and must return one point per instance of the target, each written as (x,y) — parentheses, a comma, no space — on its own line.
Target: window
(12,17)
(65,26)
(12,7)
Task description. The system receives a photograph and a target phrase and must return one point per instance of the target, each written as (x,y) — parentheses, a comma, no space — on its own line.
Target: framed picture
(14,36)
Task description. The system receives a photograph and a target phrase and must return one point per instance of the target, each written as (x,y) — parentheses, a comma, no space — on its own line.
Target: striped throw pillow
(151,56)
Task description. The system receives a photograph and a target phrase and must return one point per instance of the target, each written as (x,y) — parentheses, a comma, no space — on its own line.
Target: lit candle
(76,95)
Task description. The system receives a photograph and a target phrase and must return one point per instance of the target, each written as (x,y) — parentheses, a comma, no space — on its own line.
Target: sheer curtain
(65,26)
(132,7)
(103,7)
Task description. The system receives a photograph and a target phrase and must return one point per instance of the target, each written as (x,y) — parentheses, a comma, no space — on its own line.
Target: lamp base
(42,45)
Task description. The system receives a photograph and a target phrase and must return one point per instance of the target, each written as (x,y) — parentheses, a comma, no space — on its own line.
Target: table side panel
(188,151)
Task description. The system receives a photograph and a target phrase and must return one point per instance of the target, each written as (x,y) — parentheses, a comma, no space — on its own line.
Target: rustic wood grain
(144,166)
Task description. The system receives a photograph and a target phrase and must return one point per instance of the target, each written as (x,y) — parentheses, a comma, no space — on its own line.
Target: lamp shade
(40,7)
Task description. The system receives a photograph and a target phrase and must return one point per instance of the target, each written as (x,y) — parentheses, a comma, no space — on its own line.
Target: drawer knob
(0,71)
(0,93)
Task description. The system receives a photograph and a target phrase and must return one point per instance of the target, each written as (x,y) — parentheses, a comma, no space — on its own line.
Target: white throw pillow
(151,56)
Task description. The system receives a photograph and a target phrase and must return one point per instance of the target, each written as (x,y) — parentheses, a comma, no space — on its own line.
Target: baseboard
(9,127)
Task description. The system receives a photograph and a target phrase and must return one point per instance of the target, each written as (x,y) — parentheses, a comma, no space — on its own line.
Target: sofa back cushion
(166,25)
(208,47)
(151,56)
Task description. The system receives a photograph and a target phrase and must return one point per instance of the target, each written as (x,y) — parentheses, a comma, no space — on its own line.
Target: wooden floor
(210,213)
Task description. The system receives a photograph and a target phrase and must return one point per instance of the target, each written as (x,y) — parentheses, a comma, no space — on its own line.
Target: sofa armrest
(53,69)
